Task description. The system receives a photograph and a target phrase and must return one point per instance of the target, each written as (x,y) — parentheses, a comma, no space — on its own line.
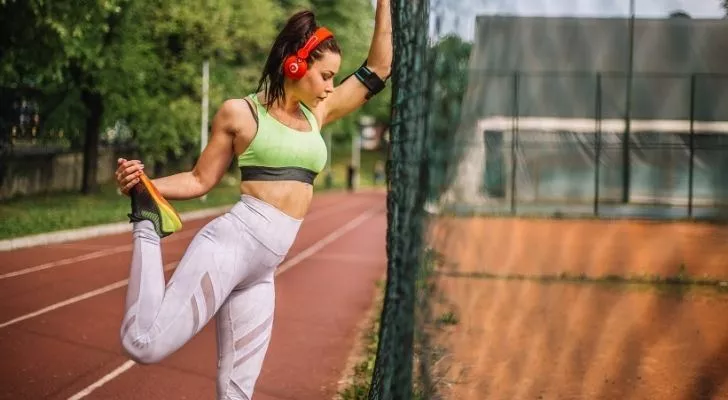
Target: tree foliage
(109,69)
(449,59)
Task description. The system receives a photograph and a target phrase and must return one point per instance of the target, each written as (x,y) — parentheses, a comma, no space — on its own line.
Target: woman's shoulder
(235,113)
(233,107)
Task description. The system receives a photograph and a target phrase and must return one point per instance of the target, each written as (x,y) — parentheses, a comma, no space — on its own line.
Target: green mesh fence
(557,211)
(393,370)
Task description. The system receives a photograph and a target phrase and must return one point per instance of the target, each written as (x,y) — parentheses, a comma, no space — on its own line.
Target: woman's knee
(142,351)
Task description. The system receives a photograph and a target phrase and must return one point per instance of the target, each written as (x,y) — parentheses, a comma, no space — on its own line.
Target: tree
(449,77)
(127,60)
(65,57)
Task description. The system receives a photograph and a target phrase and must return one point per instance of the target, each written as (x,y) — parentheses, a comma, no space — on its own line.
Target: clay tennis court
(535,339)
(61,307)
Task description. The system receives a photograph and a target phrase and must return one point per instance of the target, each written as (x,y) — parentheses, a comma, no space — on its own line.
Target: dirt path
(532,339)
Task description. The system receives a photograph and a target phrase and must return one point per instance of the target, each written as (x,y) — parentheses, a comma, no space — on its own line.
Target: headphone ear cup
(294,67)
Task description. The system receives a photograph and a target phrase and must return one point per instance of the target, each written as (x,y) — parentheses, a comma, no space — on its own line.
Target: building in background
(568,112)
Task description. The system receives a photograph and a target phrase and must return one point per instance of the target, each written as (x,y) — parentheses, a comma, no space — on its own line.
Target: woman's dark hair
(292,37)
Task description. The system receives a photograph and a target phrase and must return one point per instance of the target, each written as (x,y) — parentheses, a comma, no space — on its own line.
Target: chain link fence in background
(579,157)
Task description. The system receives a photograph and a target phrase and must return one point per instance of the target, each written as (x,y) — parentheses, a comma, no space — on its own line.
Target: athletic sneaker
(148,204)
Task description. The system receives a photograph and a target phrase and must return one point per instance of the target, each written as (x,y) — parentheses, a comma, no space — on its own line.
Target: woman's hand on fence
(128,173)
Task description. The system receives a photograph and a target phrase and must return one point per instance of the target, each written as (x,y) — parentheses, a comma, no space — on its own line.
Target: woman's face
(318,82)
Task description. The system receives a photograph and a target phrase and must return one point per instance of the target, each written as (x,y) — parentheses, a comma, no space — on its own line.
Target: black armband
(371,80)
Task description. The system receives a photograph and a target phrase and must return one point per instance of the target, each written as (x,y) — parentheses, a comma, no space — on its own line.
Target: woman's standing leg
(244,326)
(245,321)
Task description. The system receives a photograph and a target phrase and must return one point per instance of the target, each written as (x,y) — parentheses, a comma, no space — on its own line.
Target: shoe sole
(171,221)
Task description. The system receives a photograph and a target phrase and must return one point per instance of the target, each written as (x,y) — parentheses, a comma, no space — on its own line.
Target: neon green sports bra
(280,153)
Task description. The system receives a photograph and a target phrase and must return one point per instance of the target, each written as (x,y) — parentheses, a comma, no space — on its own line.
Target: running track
(61,306)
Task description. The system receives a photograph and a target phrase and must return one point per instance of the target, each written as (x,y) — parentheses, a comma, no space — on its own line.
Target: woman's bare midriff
(291,197)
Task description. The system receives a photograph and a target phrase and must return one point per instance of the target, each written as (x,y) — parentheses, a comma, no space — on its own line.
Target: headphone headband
(295,65)
(318,36)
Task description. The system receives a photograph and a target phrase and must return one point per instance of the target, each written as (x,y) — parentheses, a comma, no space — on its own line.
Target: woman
(228,269)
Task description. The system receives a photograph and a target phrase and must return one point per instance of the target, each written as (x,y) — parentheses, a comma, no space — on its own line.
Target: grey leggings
(228,269)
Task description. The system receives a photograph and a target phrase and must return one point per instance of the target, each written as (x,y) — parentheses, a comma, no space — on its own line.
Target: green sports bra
(280,153)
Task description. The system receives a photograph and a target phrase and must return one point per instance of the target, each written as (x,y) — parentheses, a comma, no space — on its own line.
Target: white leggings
(228,269)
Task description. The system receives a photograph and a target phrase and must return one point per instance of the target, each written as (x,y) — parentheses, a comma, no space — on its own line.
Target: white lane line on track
(128,247)
(77,246)
(308,252)
(316,247)
(66,261)
(101,382)
(76,299)
(349,258)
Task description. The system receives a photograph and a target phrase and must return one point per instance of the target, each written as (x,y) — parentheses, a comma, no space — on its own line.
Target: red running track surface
(61,307)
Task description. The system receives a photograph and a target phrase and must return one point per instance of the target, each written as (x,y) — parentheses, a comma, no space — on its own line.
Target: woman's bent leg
(159,320)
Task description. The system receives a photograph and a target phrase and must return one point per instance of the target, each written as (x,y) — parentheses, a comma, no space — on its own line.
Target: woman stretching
(228,269)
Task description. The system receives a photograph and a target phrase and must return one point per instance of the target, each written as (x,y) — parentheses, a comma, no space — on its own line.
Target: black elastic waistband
(253,173)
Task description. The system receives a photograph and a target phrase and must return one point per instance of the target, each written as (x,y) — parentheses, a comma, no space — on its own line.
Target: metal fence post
(598,140)
(626,167)
(691,165)
(514,139)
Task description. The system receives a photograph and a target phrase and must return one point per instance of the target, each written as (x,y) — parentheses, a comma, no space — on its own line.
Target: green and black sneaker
(148,204)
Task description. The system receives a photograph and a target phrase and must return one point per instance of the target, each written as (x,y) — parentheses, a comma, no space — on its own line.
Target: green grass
(358,388)
(448,318)
(36,214)
(679,283)
(58,211)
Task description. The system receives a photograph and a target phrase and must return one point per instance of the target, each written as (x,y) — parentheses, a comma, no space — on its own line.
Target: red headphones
(295,66)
